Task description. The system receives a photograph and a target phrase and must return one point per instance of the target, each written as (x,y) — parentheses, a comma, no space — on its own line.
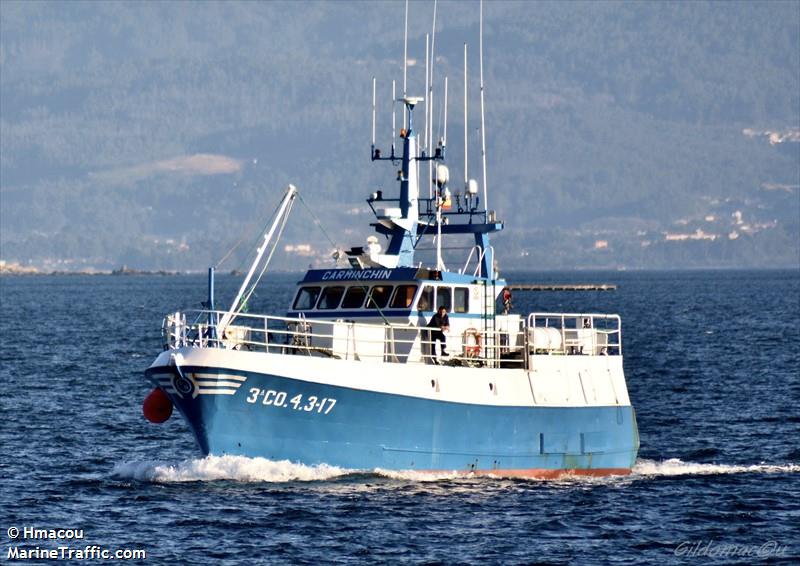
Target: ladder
(490,352)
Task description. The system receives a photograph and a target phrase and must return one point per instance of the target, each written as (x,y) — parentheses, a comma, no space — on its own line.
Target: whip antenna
(483,124)
(373,115)
(394,114)
(429,141)
(466,132)
(444,137)
(428,113)
(405,62)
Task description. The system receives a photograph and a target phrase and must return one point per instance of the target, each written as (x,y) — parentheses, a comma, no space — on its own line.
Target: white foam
(236,468)
(244,469)
(677,467)
(412,475)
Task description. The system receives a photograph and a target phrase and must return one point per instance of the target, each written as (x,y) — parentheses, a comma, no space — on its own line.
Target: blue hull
(310,423)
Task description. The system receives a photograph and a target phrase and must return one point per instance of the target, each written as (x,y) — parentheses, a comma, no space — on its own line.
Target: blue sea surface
(712,361)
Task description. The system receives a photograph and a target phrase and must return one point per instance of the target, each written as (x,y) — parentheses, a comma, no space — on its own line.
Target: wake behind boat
(390,363)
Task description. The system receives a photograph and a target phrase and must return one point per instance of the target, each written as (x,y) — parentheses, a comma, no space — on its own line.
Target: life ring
(472,343)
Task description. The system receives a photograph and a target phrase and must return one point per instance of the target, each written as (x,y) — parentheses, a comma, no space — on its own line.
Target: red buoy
(157,407)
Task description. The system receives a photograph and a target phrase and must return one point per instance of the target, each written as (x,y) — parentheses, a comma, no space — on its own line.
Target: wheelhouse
(401,293)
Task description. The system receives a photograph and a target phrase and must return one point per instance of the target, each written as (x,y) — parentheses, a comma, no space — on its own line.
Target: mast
(424,143)
(403,220)
(439,262)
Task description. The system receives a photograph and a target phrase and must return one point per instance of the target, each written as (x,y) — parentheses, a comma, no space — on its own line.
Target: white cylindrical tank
(544,338)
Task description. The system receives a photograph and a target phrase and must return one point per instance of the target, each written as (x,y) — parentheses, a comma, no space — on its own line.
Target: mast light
(441,175)
(412,100)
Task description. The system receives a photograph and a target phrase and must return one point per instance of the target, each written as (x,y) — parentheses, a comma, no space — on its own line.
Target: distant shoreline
(16,270)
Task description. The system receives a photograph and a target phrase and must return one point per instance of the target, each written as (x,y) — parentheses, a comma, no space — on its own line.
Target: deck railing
(549,334)
(574,334)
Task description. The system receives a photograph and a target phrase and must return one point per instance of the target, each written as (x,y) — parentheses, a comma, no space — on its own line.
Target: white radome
(441,175)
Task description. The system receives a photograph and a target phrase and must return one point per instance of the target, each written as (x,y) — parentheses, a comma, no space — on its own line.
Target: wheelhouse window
(306,298)
(354,297)
(461,296)
(379,296)
(425,302)
(403,296)
(443,298)
(330,298)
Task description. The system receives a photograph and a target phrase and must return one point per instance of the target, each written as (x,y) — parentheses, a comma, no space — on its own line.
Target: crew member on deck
(507,306)
(441,322)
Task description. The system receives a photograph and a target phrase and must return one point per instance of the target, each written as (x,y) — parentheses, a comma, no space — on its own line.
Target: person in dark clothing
(507,306)
(441,323)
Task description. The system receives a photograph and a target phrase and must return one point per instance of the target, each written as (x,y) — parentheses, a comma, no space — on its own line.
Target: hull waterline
(258,414)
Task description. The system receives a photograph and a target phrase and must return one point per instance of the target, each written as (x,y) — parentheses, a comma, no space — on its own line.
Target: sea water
(712,361)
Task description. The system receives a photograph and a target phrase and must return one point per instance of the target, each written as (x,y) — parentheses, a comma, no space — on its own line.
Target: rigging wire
(252,289)
(244,236)
(318,222)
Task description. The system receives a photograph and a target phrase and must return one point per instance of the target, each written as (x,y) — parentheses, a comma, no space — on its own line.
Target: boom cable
(318,222)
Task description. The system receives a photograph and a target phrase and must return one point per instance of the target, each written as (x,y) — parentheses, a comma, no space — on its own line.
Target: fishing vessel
(353,374)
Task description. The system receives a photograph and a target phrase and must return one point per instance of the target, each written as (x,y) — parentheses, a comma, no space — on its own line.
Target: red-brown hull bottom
(552,474)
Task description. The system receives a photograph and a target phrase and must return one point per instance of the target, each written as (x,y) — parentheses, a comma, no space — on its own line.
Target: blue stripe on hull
(366,430)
